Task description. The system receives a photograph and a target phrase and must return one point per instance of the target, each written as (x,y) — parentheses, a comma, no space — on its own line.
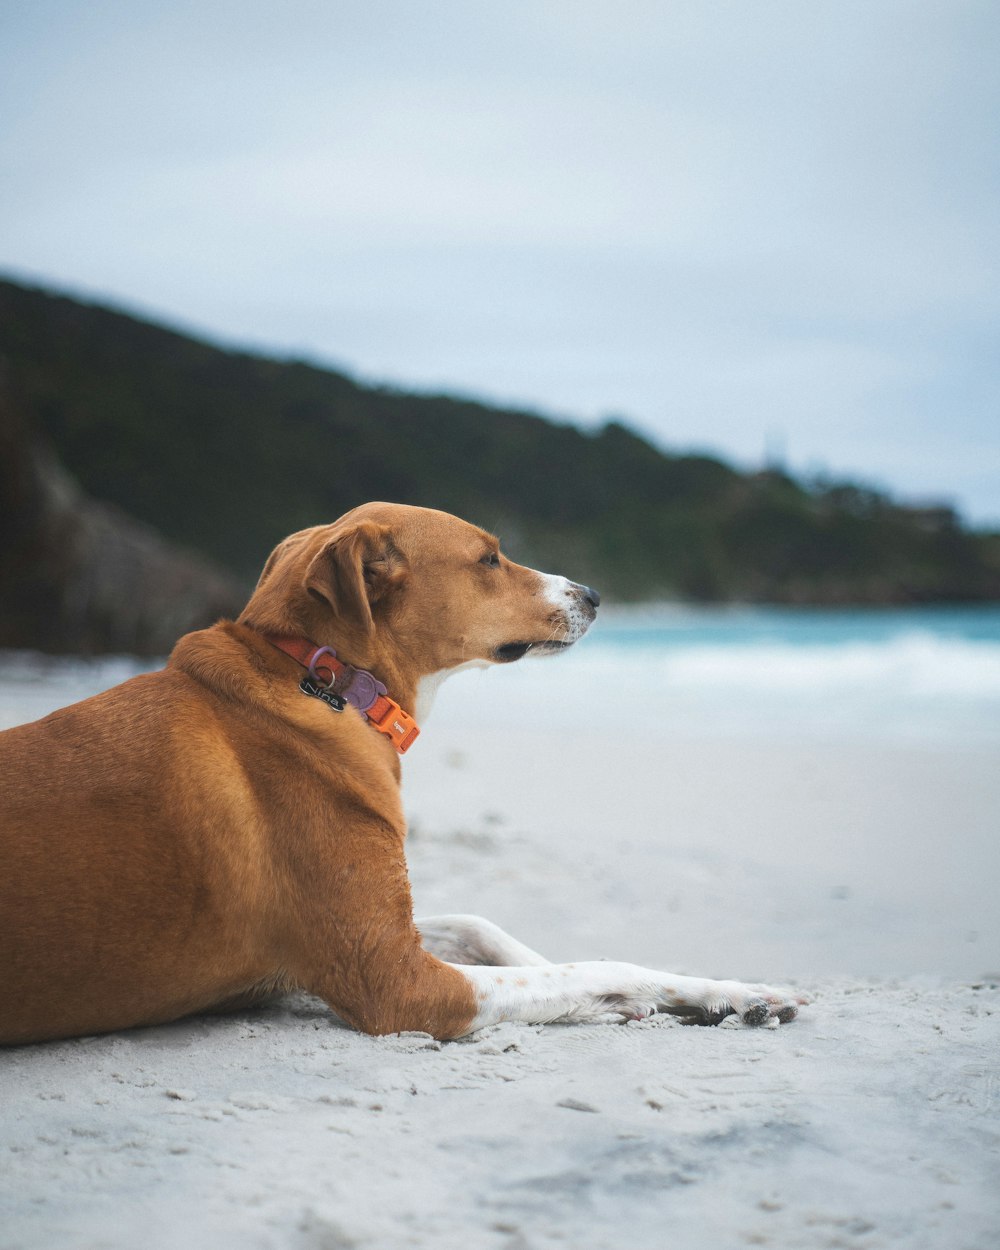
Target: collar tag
(359,688)
(315,691)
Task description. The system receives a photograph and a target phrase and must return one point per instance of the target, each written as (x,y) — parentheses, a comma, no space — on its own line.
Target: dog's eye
(491,560)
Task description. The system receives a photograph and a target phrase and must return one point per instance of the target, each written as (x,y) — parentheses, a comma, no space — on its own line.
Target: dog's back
(104,887)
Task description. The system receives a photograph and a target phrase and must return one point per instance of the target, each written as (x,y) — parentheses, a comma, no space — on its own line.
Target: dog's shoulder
(245,680)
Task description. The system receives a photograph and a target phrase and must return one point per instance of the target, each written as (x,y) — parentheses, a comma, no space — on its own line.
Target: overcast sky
(748,225)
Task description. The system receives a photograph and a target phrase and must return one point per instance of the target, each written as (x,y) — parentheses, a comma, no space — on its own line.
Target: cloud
(719,220)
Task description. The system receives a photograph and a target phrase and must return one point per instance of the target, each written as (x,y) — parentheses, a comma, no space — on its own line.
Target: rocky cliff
(81,576)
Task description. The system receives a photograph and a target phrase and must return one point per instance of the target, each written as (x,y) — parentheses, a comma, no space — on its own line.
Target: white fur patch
(587,991)
(565,595)
(427,687)
(466,939)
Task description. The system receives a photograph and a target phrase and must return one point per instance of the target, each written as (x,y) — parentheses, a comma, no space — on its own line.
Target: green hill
(225,452)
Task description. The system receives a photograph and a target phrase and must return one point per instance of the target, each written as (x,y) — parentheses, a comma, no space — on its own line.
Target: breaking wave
(920,674)
(909,665)
(858,673)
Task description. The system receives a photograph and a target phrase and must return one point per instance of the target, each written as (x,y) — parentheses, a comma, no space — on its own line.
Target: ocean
(928,674)
(915,674)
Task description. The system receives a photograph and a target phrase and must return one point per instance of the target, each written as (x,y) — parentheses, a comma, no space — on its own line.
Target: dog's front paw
(756,1005)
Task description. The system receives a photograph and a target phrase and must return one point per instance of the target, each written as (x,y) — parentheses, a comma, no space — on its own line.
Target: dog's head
(415,591)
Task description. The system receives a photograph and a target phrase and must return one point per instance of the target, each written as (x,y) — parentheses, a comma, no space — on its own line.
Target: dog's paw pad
(756,1014)
(761,1006)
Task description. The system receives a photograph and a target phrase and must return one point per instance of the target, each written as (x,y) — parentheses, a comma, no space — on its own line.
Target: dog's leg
(587,991)
(473,940)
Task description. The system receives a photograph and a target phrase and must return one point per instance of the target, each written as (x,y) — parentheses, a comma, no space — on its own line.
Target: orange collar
(339,683)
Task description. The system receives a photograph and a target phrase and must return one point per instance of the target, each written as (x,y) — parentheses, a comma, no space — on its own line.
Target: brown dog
(230,827)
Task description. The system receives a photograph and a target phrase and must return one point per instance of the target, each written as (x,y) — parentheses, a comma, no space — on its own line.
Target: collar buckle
(388,718)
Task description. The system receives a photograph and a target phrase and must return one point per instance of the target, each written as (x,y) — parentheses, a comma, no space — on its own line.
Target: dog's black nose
(591,595)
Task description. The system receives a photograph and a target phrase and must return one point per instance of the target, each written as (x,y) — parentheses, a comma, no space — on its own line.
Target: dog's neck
(418,695)
(413,689)
(337,682)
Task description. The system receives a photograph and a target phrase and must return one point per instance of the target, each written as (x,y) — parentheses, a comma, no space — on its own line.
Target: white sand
(864,871)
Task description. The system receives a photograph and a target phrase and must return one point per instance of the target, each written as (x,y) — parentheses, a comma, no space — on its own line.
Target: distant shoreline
(222,454)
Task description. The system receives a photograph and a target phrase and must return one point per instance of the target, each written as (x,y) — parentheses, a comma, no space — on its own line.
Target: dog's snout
(588,594)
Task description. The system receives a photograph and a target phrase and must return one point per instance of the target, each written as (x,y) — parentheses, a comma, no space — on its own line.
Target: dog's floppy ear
(356,569)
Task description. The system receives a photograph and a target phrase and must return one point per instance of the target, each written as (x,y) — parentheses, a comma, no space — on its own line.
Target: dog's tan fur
(205,835)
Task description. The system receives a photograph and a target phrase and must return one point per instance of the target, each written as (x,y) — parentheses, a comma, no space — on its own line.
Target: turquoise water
(929,674)
(795,627)
(921,674)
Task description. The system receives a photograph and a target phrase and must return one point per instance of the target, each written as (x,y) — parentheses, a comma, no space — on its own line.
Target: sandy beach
(861,867)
